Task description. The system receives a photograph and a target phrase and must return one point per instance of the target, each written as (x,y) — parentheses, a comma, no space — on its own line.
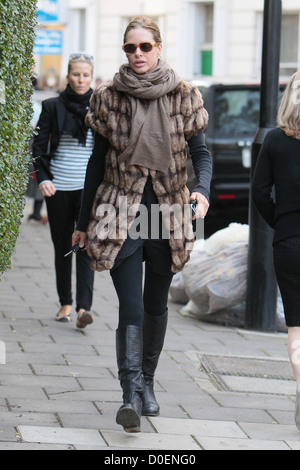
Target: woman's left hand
(202,205)
(79,238)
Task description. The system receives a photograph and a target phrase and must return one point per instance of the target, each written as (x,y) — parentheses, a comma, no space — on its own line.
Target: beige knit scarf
(150,140)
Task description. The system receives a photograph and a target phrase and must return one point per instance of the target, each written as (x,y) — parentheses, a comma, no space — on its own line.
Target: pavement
(220,388)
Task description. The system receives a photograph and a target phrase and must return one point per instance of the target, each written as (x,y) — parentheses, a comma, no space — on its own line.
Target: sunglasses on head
(143,46)
(84,56)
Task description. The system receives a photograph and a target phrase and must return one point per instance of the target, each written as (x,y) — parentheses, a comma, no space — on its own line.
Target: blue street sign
(48,11)
(48,42)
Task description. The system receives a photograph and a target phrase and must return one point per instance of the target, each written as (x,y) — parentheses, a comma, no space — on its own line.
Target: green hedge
(17,23)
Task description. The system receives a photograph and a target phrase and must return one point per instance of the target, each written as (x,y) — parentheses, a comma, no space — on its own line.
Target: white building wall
(73,25)
(237,42)
(221,64)
(243,38)
(237,37)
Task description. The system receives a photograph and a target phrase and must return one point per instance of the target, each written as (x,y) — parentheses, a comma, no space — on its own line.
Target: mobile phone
(194,206)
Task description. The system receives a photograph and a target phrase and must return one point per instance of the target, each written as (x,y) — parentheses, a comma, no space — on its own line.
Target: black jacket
(279,166)
(49,131)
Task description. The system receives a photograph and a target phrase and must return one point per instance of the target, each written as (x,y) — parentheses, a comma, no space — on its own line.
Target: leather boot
(154,331)
(129,345)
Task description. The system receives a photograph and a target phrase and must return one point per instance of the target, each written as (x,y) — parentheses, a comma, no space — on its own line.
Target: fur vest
(123,184)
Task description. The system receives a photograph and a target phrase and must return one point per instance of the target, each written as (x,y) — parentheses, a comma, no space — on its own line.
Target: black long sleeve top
(202,164)
(278,166)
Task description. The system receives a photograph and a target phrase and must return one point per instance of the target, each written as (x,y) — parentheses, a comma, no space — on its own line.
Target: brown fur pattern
(110,115)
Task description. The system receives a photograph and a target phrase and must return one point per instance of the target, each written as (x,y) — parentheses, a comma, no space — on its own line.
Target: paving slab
(49,435)
(14,418)
(36,393)
(50,406)
(254,401)
(258,385)
(272,432)
(218,413)
(19,446)
(150,441)
(197,427)
(7,433)
(241,444)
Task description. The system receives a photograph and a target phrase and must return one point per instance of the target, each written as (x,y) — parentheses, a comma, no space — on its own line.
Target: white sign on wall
(48,42)
(48,11)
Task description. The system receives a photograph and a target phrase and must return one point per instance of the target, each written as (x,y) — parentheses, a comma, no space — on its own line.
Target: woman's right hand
(79,238)
(47,189)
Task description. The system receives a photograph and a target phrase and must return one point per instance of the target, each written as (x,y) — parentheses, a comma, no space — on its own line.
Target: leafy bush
(17,23)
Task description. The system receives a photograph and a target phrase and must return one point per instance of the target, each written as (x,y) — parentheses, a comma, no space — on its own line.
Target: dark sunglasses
(143,46)
(85,56)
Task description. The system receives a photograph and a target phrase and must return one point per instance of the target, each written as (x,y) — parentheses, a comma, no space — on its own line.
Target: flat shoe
(63,318)
(84,319)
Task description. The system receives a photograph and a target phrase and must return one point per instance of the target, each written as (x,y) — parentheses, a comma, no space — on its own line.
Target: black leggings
(287,268)
(128,281)
(63,212)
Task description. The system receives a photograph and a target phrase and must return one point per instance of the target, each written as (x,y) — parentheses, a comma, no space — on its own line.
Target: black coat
(278,165)
(49,131)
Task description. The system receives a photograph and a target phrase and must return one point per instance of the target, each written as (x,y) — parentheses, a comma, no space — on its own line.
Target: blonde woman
(279,165)
(61,149)
(142,121)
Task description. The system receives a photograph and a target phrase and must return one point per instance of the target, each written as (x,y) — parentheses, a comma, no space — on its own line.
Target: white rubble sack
(215,277)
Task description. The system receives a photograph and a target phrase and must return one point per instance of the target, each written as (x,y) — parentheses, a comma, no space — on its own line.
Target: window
(82,22)
(78,29)
(236,112)
(207,48)
(204,30)
(289,53)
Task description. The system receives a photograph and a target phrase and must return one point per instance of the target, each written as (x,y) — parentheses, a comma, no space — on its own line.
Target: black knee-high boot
(154,331)
(129,345)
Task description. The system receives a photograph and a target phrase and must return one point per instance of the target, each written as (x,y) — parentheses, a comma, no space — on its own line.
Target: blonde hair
(80,58)
(144,22)
(289,110)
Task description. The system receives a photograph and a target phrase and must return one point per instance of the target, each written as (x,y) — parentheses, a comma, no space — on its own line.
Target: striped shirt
(68,166)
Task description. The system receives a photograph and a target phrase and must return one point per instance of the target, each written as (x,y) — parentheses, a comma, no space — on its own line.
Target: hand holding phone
(199,205)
